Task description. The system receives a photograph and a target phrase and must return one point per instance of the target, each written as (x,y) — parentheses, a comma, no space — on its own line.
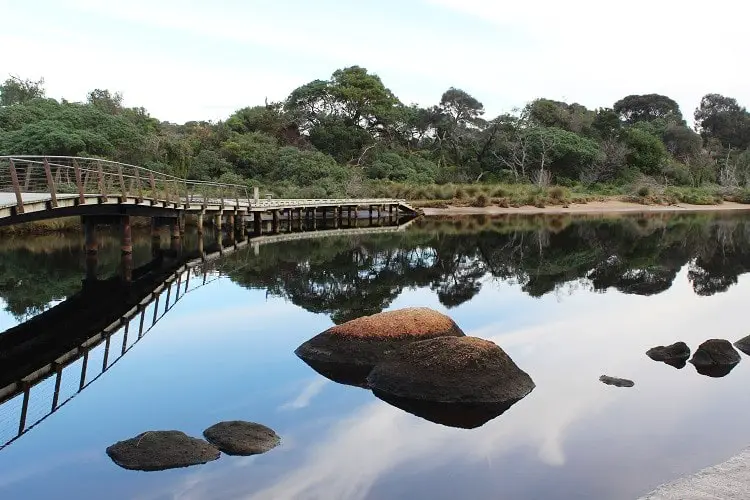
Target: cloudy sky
(192,59)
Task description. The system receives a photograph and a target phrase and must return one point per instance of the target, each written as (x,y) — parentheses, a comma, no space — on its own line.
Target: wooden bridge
(45,187)
(49,359)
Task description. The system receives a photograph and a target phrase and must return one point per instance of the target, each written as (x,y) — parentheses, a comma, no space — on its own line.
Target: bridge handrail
(84,176)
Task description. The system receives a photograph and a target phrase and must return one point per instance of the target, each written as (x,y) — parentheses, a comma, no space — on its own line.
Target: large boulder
(346,353)
(161,450)
(675,355)
(236,437)
(743,345)
(715,358)
(456,381)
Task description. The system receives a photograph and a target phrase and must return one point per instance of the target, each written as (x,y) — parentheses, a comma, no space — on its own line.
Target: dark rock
(161,450)
(242,438)
(457,381)
(675,355)
(715,358)
(617,382)
(743,345)
(347,353)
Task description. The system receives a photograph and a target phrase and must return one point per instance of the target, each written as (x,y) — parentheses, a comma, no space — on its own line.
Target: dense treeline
(342,135)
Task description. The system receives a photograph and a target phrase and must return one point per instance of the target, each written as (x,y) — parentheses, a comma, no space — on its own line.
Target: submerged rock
(457,381)
(617,382)
(675,355)
(347,353)
(715,358)
(161,450)
(236,437)
(743,345)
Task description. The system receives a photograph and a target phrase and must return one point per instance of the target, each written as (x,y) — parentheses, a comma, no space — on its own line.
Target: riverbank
(594,207)
(728,480)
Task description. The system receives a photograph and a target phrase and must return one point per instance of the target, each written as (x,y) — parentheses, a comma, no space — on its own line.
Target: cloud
(312,389)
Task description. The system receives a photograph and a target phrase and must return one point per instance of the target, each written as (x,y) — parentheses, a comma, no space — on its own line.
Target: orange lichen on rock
(410,322)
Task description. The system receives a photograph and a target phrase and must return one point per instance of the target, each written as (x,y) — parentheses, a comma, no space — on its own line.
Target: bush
(481,201)
(557,193)
(499,192)
(472,190)
(459,193)
(643,191)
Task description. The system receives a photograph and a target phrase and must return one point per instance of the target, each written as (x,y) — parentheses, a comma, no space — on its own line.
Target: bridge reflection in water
(46,361)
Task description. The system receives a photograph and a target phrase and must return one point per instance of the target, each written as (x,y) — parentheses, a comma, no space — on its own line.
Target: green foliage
(18,91)
(636,108)
(349,133)
(647,152)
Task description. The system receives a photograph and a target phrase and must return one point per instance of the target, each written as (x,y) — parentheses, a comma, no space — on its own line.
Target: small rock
(161,450)
(458,381)
(242,438)
(743,345)
(617,382)
(347,353)
(675,355)
(715,358)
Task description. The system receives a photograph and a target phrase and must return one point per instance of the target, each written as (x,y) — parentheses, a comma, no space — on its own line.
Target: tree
(18,91)
(635,108)
(722,118)
(105,101)
(647,152)
(460,107)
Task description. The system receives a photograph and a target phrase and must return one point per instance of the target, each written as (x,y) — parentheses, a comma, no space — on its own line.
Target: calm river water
(568,299)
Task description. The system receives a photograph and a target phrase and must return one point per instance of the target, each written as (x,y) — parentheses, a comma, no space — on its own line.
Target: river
(568,298)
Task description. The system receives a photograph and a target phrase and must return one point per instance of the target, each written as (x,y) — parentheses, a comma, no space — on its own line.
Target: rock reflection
(460,415)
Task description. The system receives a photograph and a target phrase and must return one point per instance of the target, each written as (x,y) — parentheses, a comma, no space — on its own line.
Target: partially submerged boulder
(346,353)
(617,382)
(161,450)
(237,437)
(675,355)
(715,358)
(743,345)
(457,381)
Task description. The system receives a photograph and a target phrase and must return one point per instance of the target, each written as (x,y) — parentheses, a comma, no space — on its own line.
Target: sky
(199,60)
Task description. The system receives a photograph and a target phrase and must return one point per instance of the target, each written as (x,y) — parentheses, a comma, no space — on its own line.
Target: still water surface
(568,299)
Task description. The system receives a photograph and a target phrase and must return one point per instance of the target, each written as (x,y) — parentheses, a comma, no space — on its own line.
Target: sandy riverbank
(595,207)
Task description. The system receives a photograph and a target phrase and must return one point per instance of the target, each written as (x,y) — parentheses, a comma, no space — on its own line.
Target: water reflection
(226,352)
(348,278)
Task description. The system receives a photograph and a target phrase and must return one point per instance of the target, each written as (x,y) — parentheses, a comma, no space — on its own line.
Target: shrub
(459,193)
(643,191)
(472,190)
(499,192)
(481,201)
(557,193)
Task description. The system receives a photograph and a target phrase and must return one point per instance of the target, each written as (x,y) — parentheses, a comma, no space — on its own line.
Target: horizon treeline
(338,136)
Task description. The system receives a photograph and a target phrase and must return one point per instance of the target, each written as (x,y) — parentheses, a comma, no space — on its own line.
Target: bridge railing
(86,178)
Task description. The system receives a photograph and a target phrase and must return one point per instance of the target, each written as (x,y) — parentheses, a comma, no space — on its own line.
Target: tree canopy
(329,136)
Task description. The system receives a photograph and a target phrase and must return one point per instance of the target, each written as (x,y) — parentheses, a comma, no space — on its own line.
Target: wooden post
(16,187)
(123,188)
(154,195)
(102,183)
(275,221)
(50,183)
(257,223)
(79,184)
(200,223)
(256,195)
(27,179)
(126,239)
(138,185)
